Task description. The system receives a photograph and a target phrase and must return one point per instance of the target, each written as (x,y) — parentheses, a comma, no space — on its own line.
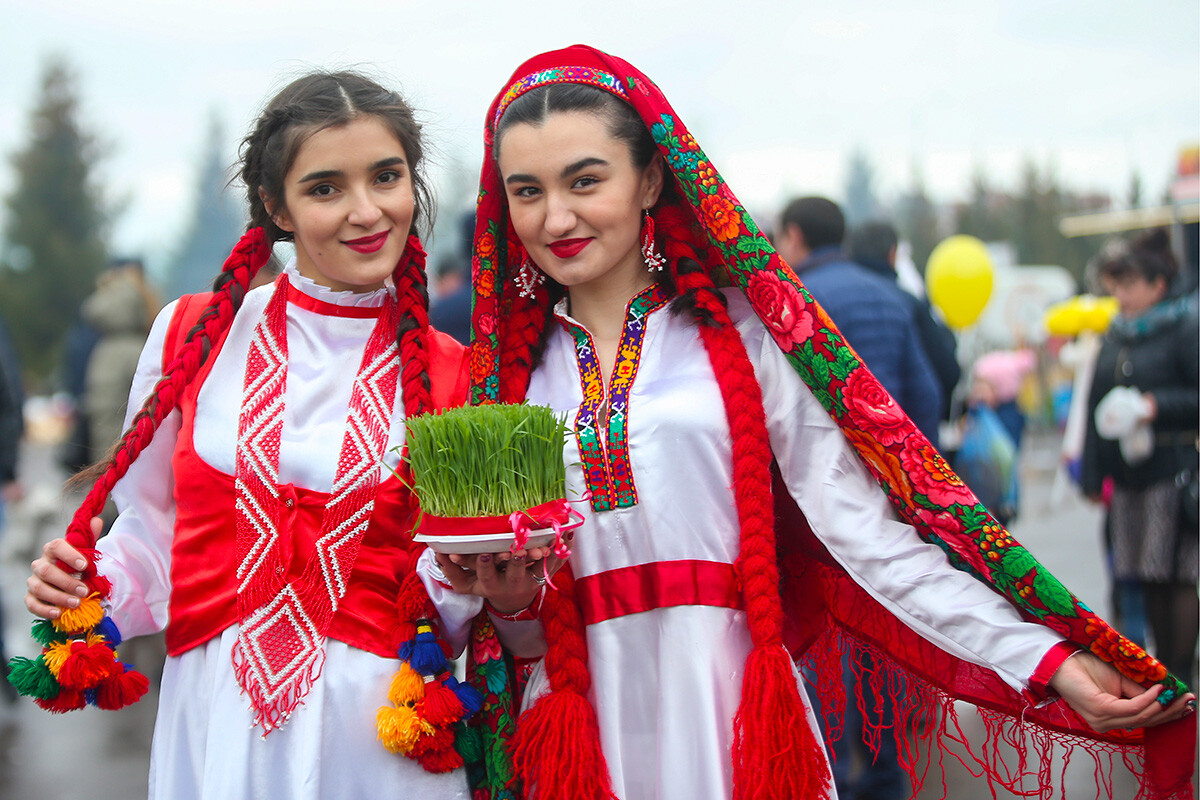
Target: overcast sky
(778,92)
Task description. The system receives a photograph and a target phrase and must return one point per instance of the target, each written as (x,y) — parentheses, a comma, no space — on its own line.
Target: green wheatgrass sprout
(484,461)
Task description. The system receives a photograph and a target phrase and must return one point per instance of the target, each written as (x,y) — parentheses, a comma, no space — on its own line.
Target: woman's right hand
(50,588)
(510,582)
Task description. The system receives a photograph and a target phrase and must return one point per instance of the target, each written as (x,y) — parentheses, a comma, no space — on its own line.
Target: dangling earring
(654,259)
(528,278)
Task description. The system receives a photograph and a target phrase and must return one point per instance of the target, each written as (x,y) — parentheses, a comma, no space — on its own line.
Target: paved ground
(102,755)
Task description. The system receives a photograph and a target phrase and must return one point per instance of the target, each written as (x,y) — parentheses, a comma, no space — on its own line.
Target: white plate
(484,543)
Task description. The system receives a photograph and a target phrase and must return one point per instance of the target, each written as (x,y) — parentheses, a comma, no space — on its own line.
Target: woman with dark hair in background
(1141,434)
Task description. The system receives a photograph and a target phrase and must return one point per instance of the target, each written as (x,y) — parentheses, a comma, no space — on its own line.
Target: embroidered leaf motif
(1053,594)
(1017,562)
(843,364)
(494,674)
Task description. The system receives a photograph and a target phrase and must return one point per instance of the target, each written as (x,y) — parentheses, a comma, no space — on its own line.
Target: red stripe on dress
(662,584)
(299,298)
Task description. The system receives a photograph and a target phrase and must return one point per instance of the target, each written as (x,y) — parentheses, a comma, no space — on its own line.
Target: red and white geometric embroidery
(281,639)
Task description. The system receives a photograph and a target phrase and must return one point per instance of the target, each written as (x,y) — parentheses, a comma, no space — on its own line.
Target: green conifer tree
(56,225)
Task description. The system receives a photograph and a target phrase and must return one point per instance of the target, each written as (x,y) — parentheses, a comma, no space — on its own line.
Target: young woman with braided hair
(726,443)
(260,521)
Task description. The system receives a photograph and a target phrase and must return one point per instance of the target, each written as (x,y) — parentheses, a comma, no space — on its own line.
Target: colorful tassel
(87,666)
(31,678)
(399,728)
(560,730)
(66,700)
(407,687)
(108,629)
(122,690)
(56,654)
(441,708)
(468,695)
(44,633)
(423,652)
(84,617)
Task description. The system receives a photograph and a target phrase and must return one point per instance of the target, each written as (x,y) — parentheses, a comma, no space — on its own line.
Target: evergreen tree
(56,227)
(217,222)
(917,220)
(861,205)
(982,216)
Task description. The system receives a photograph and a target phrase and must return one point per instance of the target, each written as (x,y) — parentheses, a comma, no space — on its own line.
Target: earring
(654,259)
(528,278)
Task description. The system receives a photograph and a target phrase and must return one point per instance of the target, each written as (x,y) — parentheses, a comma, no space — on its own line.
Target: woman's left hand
(1107,700)
(510,582)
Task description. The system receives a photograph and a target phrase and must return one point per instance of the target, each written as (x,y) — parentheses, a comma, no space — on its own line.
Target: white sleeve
(853,518)
(137,550)
(456,610)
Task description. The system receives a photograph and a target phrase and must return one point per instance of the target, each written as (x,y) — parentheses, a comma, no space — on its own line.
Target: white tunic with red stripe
(204,745)
(666,639)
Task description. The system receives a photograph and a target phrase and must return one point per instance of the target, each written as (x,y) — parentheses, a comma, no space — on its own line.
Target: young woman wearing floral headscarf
(603,234)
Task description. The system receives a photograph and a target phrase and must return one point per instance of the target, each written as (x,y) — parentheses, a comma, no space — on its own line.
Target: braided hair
(309,104)
(774,750)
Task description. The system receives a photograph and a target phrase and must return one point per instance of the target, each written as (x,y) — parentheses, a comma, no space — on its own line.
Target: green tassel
(32,678)
(45,634)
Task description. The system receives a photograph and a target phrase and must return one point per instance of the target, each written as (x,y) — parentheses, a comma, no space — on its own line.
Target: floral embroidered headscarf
(921,486)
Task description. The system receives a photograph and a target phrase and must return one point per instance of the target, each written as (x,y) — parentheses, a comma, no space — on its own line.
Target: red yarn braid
(563,722)
(775,754)
(524,321)
(243,263)
(412,295)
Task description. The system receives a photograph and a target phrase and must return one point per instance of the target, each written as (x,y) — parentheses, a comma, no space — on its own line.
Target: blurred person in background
(12,428)
(881,321)
(874,245)
(874,314)
(1141,434)
(450,300)
(1004,373)
(121,310)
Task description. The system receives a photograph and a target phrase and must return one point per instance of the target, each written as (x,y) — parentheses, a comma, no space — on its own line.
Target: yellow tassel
(82,618)
(408,686)
(400,728)
(55,655)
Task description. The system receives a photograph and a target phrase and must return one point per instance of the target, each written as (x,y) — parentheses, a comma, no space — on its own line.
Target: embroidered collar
(300,287)
(605,457)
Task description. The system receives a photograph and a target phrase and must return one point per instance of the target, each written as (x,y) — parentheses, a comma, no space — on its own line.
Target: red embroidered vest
(203,588)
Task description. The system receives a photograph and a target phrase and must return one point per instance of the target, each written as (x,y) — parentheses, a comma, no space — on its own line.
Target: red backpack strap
(448,377)
(187,312)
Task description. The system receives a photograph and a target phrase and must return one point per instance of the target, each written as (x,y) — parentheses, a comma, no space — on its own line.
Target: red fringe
(556,752)
(775,754)
(123,690)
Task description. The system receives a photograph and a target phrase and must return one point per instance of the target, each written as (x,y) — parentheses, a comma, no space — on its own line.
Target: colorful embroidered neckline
(606,466)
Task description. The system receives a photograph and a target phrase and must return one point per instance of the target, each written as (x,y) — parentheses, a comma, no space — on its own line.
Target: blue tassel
(468,695)
(108,629)
(89,695)
(423,653)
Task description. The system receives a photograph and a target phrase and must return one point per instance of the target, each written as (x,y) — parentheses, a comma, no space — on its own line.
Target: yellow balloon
(1065,318)
(1099,313)
(959,279)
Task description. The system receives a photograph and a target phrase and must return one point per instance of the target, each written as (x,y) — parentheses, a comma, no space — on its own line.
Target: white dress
(204,746)
(667,681)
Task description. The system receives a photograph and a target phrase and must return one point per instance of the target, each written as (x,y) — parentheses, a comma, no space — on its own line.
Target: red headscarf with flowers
(921,486)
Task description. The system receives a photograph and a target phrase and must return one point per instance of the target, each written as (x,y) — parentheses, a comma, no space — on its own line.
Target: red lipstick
(566,248)
(368,244)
